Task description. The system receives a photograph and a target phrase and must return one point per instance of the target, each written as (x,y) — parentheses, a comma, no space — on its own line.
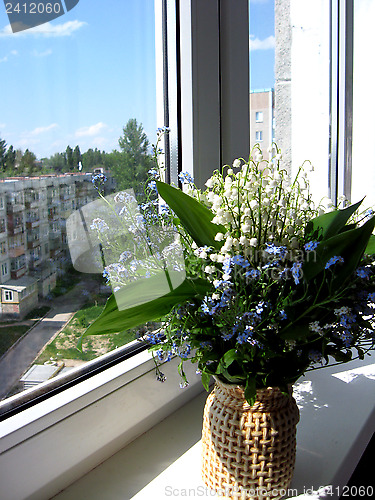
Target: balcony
(32,203)
(30,224)
(15,275)
(35,242)
(16,251)
(15,229)
(55,252)
(53,215)
(15,208)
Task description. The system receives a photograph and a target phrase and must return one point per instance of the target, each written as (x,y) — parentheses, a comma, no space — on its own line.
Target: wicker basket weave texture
(248,451)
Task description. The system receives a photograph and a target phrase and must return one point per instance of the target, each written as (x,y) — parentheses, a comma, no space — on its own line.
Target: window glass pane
(363,171)
(262,74)
(78,98)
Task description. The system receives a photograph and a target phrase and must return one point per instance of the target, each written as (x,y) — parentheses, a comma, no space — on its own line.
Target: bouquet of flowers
(273,285)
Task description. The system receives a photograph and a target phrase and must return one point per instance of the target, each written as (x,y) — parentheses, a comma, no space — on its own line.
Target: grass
(64,345)
(10,333)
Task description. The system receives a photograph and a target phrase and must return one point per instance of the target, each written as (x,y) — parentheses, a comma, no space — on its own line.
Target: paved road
(18,359)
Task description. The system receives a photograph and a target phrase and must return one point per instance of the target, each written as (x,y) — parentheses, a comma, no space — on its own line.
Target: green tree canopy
(3,150)
(69,158)
(77,157)
(130,166)
(28,164)
(57,162)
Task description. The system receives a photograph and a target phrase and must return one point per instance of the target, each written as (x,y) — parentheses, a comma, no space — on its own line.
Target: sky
(78,79)
(262,44)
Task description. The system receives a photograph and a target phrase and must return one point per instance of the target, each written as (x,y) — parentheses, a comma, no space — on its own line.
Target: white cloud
(265,44)
(45,53)
(90,131)
(2,125)
(46,30)
(42,130)
(11,53)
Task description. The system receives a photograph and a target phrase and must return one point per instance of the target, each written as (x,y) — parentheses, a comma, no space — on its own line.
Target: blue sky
(262,43)
(78,79)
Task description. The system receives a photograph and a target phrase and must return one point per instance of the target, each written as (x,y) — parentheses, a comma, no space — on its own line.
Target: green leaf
(370,249)
(354,253)
(194,216)
(333,222)
(250,390)
(206,380)
(343,357)
(112,320)
(349,244)
(295,332)
(228,358)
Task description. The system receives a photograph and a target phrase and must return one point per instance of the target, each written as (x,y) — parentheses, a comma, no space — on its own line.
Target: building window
(259,116)
(8,296)
(259,135)
(4,269)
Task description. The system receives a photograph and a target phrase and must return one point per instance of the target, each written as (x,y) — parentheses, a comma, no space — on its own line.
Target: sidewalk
(18,359)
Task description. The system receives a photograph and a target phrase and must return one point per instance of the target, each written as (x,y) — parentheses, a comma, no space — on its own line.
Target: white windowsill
(55,442)
(337,420)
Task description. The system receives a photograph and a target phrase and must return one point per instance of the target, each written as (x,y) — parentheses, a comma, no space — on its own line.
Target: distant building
(33,242)
(19,297)
(262,119)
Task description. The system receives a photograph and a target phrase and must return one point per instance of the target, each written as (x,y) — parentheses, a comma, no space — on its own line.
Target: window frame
(259,135)
(211,132)
(8,296)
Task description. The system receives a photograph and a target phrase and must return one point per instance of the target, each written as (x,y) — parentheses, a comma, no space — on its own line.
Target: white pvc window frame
(341,99)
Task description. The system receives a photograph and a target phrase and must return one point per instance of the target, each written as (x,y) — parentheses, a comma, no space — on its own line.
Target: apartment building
(262,119)
(33,242)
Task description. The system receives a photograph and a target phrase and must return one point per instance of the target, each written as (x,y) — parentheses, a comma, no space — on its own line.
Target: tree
(57,162)
(93,158)
(3,150)
(10,159)
(69,158)
(7,158)
(77,157)
(28,163)
(131,164)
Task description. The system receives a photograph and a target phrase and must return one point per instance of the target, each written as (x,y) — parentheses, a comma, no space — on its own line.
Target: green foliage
(7,159)
(28,164)
(64,346)
(130,165)
(92,158)
(112,320)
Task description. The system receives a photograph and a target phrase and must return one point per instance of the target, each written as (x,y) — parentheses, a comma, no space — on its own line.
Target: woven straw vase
(248,451)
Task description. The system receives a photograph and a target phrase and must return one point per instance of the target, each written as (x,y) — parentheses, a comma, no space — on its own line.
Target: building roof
(19,284)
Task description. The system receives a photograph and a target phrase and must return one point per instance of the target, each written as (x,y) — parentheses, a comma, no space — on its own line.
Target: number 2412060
(33,8)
